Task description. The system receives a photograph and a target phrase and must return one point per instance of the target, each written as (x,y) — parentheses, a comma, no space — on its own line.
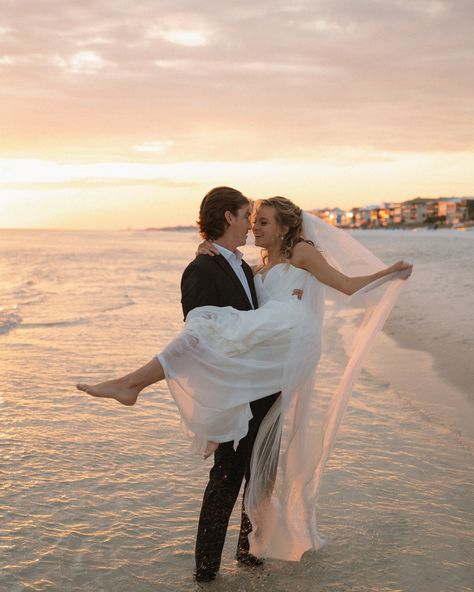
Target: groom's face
(240,225)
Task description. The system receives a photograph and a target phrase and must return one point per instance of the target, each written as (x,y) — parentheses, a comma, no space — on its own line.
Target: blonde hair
(287,214)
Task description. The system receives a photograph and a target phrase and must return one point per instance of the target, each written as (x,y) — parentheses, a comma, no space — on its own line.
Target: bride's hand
(403,267)
(207,248)
(210,448)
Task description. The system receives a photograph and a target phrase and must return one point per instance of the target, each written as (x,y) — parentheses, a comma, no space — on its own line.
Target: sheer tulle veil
(326,354)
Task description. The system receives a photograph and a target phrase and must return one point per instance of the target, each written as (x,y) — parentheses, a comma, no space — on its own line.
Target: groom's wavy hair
(287,214)
(212,223)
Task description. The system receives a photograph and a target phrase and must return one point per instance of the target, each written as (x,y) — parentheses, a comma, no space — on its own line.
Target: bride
(225,358)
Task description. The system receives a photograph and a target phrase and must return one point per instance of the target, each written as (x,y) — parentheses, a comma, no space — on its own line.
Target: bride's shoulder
(301,252)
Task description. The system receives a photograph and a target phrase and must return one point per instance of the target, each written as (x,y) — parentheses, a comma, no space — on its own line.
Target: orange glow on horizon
(118,195)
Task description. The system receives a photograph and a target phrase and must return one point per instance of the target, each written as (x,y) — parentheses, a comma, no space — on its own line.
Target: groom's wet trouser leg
(225,479)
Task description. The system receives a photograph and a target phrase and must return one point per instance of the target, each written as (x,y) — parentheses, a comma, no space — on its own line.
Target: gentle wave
(129,302)
(9,319)
(79,320)
(68,323)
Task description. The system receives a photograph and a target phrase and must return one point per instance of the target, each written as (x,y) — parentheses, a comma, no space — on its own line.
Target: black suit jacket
(212,281)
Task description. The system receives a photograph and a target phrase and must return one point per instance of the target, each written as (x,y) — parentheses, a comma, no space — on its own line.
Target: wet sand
(453,355)
(414,375)
(430,349)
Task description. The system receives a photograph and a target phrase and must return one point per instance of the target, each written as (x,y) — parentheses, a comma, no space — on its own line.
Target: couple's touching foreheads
(242,370)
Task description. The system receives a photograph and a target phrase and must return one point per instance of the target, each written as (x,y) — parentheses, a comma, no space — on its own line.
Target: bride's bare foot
(118,389)
(126,389)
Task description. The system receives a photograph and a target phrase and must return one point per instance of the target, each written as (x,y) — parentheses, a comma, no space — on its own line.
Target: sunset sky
(117,114)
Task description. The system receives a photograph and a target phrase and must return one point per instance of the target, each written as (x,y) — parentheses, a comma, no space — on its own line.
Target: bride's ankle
(128,381)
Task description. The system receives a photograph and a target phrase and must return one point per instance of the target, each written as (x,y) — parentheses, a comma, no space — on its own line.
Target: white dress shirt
(234,258)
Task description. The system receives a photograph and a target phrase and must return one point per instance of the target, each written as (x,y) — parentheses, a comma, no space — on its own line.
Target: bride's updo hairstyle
(287,214)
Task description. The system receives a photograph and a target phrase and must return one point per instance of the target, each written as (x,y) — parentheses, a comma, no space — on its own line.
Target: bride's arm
(256,268)
(207,248)
(307,257)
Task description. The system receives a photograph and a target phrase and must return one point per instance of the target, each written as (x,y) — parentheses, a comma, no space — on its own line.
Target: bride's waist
(264,299)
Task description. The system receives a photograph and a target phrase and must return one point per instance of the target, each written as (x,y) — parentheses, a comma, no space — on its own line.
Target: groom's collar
(227,253)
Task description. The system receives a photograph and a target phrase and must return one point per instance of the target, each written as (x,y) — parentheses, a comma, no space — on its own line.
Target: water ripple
(97,497)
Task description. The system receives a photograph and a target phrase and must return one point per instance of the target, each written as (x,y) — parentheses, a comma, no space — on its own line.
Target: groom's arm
(198,288)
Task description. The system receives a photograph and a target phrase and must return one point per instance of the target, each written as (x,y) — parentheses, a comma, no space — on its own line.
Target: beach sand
(416,374)
(426,348)
(453,354)
(432,349)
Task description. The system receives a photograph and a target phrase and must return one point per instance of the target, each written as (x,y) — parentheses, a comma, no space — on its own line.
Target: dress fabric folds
(225,358)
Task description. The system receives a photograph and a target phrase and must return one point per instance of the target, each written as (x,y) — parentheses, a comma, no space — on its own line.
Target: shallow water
(435,309)
(99,497)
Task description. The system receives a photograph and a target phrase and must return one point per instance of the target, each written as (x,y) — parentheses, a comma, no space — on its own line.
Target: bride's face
(265,227)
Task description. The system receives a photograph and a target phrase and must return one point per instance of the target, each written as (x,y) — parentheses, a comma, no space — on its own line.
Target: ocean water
(96,497)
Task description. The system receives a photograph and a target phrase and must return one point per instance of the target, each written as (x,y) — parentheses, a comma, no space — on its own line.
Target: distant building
(416,211)
(449,210)
(376,216)
(456,209)
(369,216)
(335,216)
(420,210)
(469,204)
(394,213)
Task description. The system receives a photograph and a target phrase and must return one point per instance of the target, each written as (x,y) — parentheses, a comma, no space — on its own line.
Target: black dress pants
(225,479)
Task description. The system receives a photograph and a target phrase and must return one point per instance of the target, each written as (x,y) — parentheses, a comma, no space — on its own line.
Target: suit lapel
(225,265)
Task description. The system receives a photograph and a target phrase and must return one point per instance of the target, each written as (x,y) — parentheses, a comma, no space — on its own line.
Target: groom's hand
(207,248)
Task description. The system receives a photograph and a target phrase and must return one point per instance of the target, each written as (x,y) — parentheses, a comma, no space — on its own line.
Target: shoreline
(451,359)
(397,359)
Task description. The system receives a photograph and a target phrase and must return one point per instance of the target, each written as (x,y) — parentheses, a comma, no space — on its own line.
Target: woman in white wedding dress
(225,358)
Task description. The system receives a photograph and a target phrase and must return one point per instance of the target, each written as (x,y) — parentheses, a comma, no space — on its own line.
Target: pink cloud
(245,81)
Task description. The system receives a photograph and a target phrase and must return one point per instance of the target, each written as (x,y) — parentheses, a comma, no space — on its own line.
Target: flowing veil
(326,354)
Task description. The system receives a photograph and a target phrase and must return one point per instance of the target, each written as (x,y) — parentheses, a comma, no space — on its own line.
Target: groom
(224,280)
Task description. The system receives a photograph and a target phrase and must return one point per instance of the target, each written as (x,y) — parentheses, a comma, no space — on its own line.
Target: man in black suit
(224,280)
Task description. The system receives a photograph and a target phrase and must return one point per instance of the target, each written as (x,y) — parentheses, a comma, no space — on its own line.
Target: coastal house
(390,213)
(334,216)
(469,205)
(418,210)
(369,217)
(376,216)
(456,210)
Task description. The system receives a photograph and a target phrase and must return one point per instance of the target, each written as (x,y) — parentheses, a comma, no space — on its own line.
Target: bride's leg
(127,388)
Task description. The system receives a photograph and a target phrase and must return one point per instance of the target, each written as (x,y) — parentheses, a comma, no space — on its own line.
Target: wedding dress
(225,358)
